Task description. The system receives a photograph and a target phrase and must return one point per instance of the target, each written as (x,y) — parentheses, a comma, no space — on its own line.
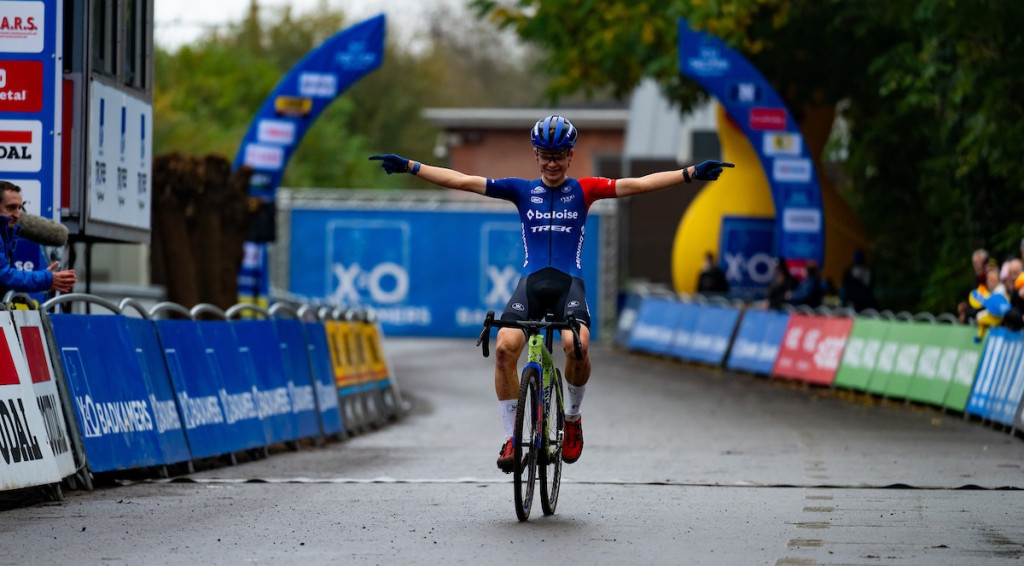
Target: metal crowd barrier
(137,389)
(900,356)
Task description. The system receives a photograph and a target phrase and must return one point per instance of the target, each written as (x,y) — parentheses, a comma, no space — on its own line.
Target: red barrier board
(812,348)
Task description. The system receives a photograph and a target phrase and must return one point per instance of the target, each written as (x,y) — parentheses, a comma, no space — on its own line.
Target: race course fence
(136,389)
(899,358)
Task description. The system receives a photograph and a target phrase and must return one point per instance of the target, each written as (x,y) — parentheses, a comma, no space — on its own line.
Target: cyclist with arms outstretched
(553,211)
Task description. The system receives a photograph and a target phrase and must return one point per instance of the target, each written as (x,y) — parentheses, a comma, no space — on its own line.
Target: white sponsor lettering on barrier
(811,338)
(165,413)
(768,352)
(793,337)
(302,397)
(928,362)
(965,367)
(906,359)
(272,402)
(887,356)
(745,349)
(872,347)
(947,363)
(703,341)
(328,396)
(853,357)
(238,406)
(829,353)
(113,417)
(420,316)
(683,339)
(200,411)
(657,334)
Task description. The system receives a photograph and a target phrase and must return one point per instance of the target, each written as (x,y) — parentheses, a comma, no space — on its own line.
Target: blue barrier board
(216,416)
(323,372)
(109,393)
(276,367)
(162,400)
(396,261)
(685,318)
(1000,382)
(655,326)
(757,341)
(713,334)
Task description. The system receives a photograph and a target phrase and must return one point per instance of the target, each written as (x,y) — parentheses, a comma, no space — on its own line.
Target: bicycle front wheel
(552,430)
(525,445)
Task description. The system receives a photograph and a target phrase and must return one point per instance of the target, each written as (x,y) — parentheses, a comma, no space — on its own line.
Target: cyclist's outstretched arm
(704,171)
(441,176)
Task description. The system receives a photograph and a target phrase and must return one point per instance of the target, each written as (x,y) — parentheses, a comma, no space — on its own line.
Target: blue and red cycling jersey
(553,218)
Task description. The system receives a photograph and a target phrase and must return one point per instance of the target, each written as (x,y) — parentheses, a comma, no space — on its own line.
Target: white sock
(508,416)
(572,410)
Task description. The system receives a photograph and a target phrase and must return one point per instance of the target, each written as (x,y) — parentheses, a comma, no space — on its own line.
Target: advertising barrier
(656,325)
(861,355)
(709,336)
(219,418)
(424,272)
(757,341)
(36,349)
(1000,383)
(25,458)
(286,405)
(946,368)
(111,398)
(301,361)
(166,415)
(812,348)
(922,362)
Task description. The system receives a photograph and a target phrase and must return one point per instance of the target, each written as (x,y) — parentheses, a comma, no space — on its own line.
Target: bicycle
(541,448)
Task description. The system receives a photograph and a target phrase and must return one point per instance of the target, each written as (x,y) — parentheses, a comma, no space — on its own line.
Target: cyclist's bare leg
(577,372)
(511,342)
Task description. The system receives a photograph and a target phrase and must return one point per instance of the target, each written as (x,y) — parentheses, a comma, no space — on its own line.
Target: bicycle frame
(539,355)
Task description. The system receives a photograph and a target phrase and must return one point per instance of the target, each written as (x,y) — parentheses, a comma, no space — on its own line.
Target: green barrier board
(861,354)
(886,363)
(909,338)
(926,363)
(962,339)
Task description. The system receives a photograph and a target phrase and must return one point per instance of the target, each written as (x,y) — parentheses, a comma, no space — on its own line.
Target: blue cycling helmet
(553,133)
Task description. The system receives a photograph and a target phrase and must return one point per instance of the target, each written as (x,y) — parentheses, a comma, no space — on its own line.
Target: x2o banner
(425,273)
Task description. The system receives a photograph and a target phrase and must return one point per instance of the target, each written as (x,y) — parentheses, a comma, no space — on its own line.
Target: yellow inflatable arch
(744,191)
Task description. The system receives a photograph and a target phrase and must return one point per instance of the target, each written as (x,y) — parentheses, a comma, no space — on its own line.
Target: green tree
(928,90)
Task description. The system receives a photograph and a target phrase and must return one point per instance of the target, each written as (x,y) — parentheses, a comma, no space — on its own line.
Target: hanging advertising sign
(752,103)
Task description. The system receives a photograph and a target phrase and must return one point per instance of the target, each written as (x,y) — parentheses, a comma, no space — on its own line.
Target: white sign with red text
(21,27)
(25,458)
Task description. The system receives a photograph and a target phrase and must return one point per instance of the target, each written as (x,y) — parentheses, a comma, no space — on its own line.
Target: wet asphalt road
(682,465)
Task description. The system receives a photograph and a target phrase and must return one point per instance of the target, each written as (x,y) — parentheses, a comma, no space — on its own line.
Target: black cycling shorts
(548,290)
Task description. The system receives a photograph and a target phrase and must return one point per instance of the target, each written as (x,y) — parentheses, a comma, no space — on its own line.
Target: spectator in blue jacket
(811,290)
(11,278)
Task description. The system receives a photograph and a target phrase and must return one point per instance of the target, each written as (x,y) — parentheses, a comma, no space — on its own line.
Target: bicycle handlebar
(530,327)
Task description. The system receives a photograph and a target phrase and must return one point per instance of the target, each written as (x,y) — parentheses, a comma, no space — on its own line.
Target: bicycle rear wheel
(552,428)
(525,445)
